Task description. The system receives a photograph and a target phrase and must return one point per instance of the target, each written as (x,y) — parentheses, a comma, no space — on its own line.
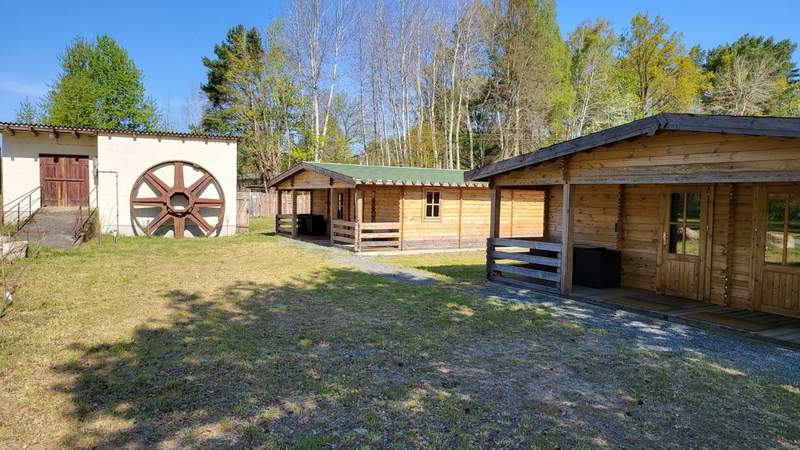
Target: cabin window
(684,223)
(782,243)
(432,204)
(340,206)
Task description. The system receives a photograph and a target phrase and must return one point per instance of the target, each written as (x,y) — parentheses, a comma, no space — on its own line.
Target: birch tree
(317,34)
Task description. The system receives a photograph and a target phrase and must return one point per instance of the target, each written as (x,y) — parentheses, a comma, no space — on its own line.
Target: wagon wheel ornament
(177,202)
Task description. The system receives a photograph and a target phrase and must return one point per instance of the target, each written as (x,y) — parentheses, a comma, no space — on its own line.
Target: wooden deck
(772,327)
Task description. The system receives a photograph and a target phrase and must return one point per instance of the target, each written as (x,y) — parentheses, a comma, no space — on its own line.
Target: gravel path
(371,265)
(647,333)
(624,328)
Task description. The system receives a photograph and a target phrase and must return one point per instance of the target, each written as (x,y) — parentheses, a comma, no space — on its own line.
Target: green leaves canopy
(99,87)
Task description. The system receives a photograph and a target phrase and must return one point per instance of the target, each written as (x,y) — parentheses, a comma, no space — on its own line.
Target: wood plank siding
(463,220)
(671,157)
(622,203)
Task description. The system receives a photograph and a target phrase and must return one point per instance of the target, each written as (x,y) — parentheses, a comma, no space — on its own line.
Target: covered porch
(335,215)
(702,208)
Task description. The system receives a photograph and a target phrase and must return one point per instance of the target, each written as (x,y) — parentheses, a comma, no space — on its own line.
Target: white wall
(130,157)
(21,158)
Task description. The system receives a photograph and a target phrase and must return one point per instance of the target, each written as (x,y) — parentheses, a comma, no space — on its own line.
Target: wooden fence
(540,263)
(366,235)
(265,204)
(283,224)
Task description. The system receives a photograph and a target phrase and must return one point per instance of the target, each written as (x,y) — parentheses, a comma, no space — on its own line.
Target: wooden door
(64,180)
(776,283)
(683,246)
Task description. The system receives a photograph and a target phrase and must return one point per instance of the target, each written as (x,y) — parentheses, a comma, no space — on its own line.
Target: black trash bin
(596,267)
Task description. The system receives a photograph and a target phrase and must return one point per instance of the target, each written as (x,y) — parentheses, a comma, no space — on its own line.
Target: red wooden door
(64,180)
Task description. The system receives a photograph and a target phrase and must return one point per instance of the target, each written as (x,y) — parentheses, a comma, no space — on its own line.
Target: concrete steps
(53,226)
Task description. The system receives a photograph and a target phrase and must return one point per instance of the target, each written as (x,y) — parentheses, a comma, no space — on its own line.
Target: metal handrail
(79,228)
(37,188)
(16,206)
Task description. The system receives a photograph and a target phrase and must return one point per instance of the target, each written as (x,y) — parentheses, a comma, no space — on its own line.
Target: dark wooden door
(64,180)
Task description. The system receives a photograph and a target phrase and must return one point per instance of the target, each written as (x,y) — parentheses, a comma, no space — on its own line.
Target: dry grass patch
(253,342)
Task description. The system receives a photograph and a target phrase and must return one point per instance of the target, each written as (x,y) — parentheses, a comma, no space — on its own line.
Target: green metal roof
(406,175)
(361,174)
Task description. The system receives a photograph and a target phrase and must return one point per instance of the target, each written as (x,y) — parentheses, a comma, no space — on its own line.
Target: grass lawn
(252,341)
(462,268)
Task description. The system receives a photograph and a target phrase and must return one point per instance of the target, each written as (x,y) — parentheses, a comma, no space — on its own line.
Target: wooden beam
(567,234)
(546,215)
(460,213)
(495,197)
(729,243)
(757,244)
(620,216)
(278,211)
(708,251)
(402,214)
(359,207)
(294,213)
(331,210)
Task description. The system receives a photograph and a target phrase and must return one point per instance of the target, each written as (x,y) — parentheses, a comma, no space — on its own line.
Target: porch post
(331,210)
(495,197)
(359,204)
(567,232)
(294,212)
(278,211)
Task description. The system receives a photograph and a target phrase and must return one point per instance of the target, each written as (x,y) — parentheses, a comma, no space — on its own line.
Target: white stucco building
(134,178)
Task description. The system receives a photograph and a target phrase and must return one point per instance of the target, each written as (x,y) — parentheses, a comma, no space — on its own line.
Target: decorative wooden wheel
(177,202)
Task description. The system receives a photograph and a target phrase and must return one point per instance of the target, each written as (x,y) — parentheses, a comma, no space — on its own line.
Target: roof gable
(356,174)
(756,126)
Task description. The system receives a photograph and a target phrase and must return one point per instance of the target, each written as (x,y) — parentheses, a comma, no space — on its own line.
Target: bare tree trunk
(471,142)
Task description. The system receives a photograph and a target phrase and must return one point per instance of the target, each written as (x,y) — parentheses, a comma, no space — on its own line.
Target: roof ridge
(23,126)
(382,166)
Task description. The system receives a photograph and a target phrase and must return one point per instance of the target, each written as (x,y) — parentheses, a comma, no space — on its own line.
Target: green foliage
(603,97)
(251,94)
(28,112)
(754,75)
(528,81)
(664,76)
(100,86)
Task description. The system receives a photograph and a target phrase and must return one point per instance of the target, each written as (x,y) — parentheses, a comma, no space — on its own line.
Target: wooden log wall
(671,157)
(464,217)
(620,204)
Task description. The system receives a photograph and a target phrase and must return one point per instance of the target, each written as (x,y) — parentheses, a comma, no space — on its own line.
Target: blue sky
(167,39)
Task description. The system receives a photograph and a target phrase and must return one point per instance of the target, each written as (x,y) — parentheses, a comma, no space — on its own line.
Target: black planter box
(596,267)
(312,225)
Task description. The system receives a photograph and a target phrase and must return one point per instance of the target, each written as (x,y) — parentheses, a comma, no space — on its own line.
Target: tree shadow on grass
(343,357)
(253,363)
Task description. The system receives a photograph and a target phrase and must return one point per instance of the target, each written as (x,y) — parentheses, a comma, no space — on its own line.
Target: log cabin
(701,207)
(378,208)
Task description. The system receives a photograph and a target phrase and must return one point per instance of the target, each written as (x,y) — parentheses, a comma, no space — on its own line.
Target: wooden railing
(375,235)
(343,233)
(18,212)
(366,236)
(283,224)
(528,263)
